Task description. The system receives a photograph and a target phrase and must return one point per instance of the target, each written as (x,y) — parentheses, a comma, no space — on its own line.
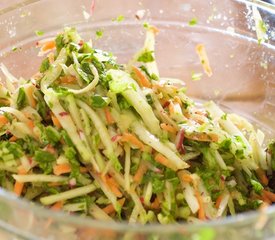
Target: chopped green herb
(224,117)
(119,18)
(98,101)
(122,102)
(45,160)
(59,42)
(53,135)
(193,22)
(263,26)
(146,56)
(99,34)
(39,33)
(21,98)
(257,186)
(45,65)
(146,25)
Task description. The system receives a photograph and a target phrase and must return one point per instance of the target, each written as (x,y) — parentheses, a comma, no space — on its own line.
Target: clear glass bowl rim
(244,218)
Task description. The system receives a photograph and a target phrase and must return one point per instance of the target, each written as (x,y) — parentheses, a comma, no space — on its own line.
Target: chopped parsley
(146,56)
(193,22)
(21,98)
(119,18)
(99,34)
(39,33)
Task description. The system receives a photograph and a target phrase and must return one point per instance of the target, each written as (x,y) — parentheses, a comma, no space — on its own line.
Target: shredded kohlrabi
(117,142)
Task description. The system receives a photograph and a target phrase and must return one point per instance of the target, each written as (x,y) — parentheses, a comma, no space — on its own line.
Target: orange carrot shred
(48,46)
(115,190)
(203,137)
(56,122)
(164,161)
(269,195)
(155,204)
(177,100)
(154,29)
(128,137)
(31,124)
(185,177)
(168,128)
(262,176)
(140,172)
(108,116)
(68,79)
(29,92)
(141,78)
(18,186)
(13,139)
(3,120)
(218,201)
(171,108)
(201,213)
(57,206)
(60,169)
(265,199)
(110,208)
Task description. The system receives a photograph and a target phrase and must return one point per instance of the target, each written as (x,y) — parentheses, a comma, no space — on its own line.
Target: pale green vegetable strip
(74,111)
(144,110)
(20,116)
(86,120)
(127,166)
(74,207)
(148,190)
(118,177)
(190,155)
(99,125)
(99,214)
(39,178)
(137,100)
(53,73)
(149,45)
(260,26)
(155,143)
(227,124)
(138,204)
(91,85)
(123,119)
(219,160)
(134,215)
(20,130)
(4,167)
(223,204)
(10,79)
(160,112)
(107,192)
(190,198)
(68,124)
(68,194)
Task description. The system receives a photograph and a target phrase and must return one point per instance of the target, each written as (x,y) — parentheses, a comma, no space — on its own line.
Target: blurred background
(6,3)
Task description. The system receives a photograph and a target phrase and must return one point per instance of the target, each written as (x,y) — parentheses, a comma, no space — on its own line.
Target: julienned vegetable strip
(89,136)
(39,178)
(155,143)
(68,194)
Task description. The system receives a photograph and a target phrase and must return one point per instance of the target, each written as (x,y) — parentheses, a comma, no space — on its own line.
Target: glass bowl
(243,82)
